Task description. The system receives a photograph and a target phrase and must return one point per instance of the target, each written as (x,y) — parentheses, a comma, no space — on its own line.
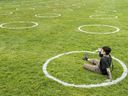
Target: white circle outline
(9,13)
(20,9)
(34,25)
(117,29)
(103,11)
(44,69)
(48,15)
(109,17)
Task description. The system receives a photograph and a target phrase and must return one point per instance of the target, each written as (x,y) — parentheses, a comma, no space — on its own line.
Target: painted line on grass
(9,13)
(18,9)
(44,69)
(103,17)
(35,24)
(48,15)
(105,11)
(98,25)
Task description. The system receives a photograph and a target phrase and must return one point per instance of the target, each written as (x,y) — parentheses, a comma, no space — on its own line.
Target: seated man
(100,66)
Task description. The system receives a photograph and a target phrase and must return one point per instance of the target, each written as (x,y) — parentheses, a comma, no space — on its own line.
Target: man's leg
(93,68)
(94,61)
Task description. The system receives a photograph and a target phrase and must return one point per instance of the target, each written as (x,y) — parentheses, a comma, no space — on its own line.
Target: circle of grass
(44,68)
(23,22)
(48,15)
(109,17)
(98,25)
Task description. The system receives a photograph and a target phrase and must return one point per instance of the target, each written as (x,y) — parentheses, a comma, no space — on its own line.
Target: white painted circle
(105,11)
(44,68)
(17,9)
(48,15)
(22,22)
(45,2)
(33,8)
(103,17)
(9,13)
(98,25)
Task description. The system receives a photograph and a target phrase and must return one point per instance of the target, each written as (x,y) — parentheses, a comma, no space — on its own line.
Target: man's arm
(109,74)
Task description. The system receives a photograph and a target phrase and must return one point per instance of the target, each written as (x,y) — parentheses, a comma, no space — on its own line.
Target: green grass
(23,52)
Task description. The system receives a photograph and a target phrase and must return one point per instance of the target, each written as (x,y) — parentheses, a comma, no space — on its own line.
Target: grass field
(23,51)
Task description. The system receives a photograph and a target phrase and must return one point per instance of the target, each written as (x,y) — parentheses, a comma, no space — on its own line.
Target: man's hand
(109,74)
(99,50)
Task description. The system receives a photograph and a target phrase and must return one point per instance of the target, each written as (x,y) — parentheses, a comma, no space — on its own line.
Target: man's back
(105,62)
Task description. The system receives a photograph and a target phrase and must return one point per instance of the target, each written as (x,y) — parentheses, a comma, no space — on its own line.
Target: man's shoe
(85,57)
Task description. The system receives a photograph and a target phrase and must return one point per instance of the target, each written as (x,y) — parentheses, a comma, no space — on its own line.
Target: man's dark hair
(107,50)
